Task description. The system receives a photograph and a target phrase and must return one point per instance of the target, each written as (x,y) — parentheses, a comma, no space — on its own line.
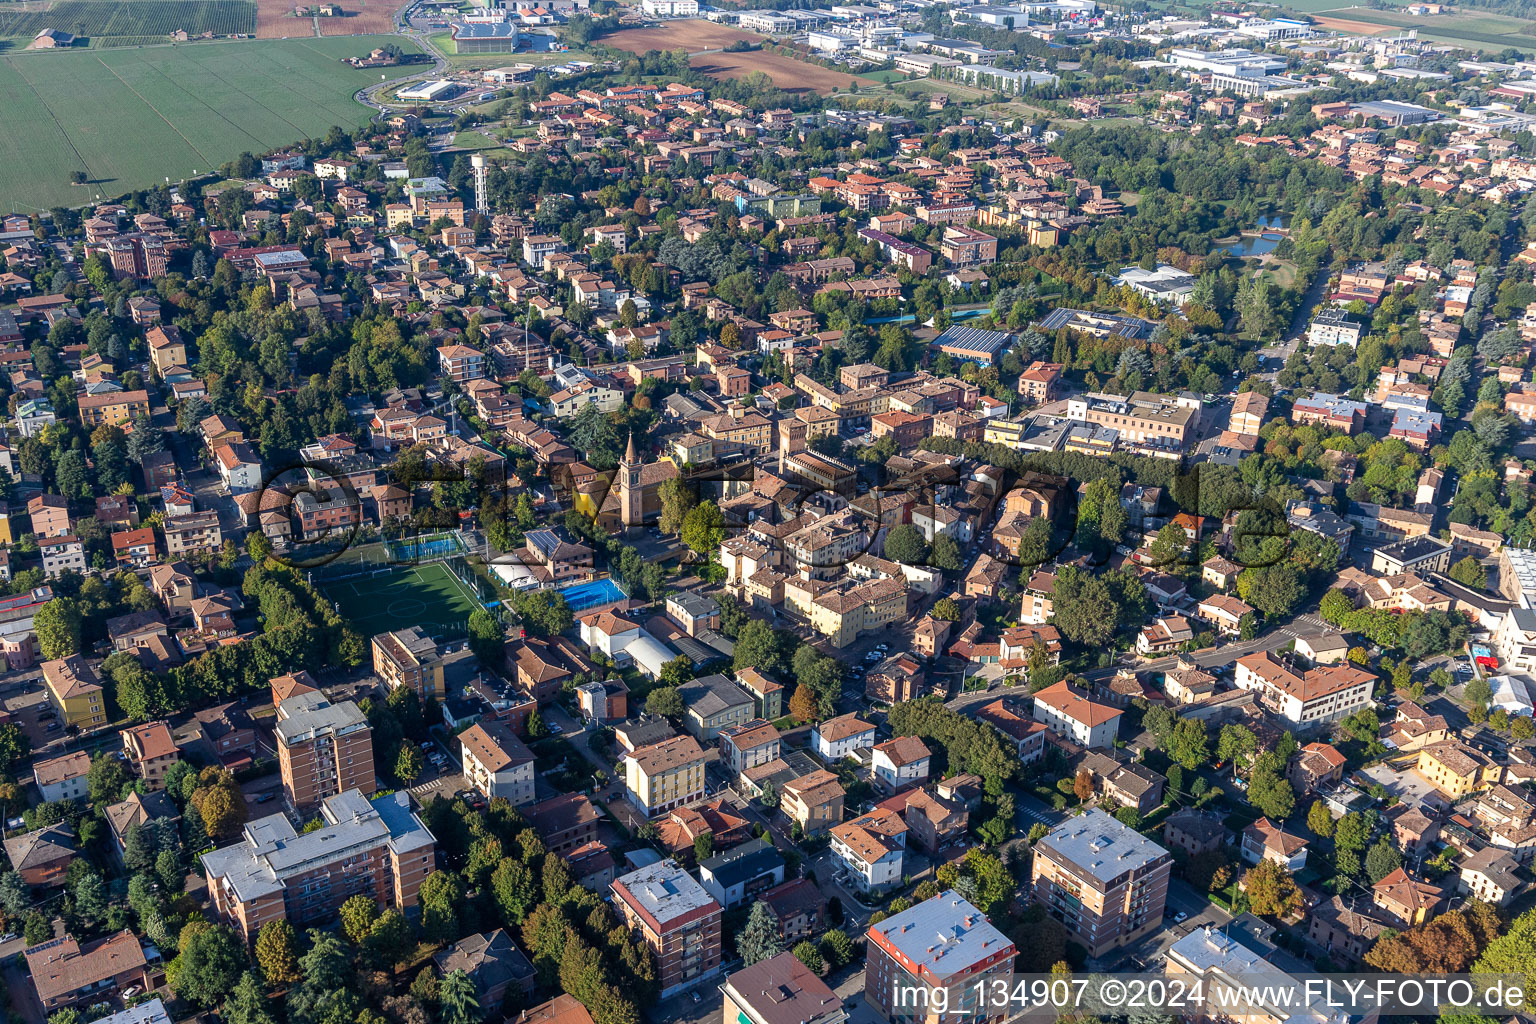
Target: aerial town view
(594,512)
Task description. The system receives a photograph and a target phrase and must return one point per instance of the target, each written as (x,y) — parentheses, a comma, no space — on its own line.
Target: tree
(807,953)
(1082,785)
(169,870)
(769,795)
(210,964)
(514,890)
(1335,605)
(14,746)
(90,896)
(15,895)
(837,948)
(802,704)
(1353,830)
(456,999)
(1188,743)
(677,500)
(277,952)
(57,625)
(757,647)
(1268,789)
(945,554)
(409,764)
(1451,942)
(390,937)
(759,937)
(358,914)
(666,701)
(1469,572)
(1381,860)
(1236,743)
(247,1003)
(1271,891)
(486,636)
(106,778)
(218,803)
(905,543)
(1320,819)
(946,609)
(703,527)
(703,846)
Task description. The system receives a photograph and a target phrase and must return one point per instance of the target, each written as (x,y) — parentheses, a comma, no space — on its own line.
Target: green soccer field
(132,117)
(423,595)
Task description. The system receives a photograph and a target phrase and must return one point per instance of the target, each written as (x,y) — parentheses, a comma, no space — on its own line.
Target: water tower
(477,161)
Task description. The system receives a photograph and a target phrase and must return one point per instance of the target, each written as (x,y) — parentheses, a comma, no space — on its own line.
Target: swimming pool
(582,596)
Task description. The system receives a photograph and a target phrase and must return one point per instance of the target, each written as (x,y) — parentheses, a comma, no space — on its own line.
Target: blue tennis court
(582,596)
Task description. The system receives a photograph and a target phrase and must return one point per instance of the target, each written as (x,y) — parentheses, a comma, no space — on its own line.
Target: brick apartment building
(408,657)
(943,943)
(322,749)
(677,918)
(375,848)
(1107,883)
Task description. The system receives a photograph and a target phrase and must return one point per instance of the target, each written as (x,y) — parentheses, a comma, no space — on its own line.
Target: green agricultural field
(95,19)
(130,118)
(1475,30)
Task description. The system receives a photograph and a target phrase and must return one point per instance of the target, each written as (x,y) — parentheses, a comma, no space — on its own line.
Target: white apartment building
(1318,695)
(1067,711)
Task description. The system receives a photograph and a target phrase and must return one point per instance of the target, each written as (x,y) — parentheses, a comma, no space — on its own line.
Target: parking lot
(26,700)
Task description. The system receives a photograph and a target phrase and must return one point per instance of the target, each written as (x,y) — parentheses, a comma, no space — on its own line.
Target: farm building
(51,39)
(484,37)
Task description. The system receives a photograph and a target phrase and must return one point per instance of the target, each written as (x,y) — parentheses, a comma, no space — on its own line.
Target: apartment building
(1143,417)
(842,611)
(1248,412)
(677,919)
(1068,712)
(497,763)
(75,692)
(837,738)
(322,749)
(61,555)
(872,849)
(779,990)
(665,775)
(941,953)
(460,363)
(1323,694)
(192,532)
(408,657)
(565,822)
(715,704)
(49,514)
(1456,769)
(114,408)
(376,848)
(966,247)
(1334,411)
(1105,882)
(740,873)
(63,777)
(814,801)
(150,751)
(749,745)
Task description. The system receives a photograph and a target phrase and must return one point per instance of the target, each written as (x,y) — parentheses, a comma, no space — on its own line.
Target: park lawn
(475,140)
(131,118)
